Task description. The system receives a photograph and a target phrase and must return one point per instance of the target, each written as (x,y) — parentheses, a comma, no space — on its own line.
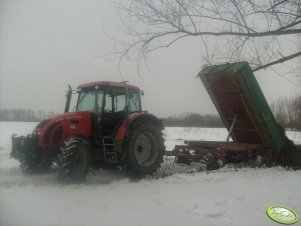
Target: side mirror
(142,92)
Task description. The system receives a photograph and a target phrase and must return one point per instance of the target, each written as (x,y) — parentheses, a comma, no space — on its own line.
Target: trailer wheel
(183,159)
(74,160)
(145,148)
(213,162)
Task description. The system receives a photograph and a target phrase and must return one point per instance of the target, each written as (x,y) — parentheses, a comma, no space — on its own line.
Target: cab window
(90,100)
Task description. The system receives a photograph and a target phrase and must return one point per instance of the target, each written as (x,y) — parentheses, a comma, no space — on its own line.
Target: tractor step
(109,148)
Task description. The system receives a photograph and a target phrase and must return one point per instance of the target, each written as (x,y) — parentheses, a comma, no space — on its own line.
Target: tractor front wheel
(145,148)
(73,159)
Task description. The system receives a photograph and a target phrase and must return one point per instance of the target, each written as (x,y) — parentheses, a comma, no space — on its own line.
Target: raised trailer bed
(246,115)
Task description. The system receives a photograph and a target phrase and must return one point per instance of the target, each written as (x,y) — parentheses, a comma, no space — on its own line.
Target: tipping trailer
(248,118)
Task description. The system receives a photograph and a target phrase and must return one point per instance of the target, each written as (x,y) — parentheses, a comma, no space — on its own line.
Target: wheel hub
(143,149)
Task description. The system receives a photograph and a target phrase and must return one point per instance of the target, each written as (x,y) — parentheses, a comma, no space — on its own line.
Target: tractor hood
(54,131)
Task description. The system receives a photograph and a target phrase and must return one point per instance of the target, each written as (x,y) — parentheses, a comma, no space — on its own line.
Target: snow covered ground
(177,195)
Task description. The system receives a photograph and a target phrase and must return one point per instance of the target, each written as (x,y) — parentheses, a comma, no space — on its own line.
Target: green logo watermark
(282,215)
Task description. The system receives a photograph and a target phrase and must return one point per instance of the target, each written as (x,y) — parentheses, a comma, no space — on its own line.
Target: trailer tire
(213,162)
(144,149)
(74,160)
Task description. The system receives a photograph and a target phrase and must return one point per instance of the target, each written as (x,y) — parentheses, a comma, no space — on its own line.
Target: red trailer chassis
(213,152)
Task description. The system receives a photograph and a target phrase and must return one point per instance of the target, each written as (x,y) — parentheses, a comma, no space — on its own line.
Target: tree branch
(256,34)
(282,60)
(250,30)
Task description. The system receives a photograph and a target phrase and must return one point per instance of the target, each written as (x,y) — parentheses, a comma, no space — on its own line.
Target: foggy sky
(47,44)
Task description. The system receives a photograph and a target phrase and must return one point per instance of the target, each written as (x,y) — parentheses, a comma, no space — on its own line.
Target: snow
(176,195)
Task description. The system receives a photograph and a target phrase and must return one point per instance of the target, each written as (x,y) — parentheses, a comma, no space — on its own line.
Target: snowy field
(176,195)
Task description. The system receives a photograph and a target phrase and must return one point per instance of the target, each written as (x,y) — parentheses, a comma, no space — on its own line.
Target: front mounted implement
(25,149)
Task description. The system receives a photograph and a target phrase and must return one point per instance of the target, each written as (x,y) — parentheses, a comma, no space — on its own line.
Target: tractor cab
(108,97)
(109,102)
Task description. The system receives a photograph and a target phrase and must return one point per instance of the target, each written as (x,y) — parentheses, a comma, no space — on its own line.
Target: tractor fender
(123,128)
(61,127)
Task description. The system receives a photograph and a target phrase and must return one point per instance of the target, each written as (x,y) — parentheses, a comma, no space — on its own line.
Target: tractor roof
(106,83)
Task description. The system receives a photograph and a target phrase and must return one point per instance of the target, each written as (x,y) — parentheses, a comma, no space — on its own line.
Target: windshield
(114,101)
(90,100)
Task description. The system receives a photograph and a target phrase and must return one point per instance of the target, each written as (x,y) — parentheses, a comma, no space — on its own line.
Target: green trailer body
(237,96)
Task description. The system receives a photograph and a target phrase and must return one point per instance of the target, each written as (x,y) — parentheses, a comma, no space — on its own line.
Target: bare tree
(264,33)
(287,112)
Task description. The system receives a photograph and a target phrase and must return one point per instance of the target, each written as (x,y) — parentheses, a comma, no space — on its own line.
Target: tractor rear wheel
(144,149)
(73,159)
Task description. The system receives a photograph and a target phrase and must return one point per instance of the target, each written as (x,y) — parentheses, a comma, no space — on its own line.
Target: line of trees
(287,112)
(21,115)
(194,120)
(185,120)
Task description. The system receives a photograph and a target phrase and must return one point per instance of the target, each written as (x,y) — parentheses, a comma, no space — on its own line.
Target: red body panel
(63,126)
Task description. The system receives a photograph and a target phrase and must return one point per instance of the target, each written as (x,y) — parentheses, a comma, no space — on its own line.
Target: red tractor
(107,127)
